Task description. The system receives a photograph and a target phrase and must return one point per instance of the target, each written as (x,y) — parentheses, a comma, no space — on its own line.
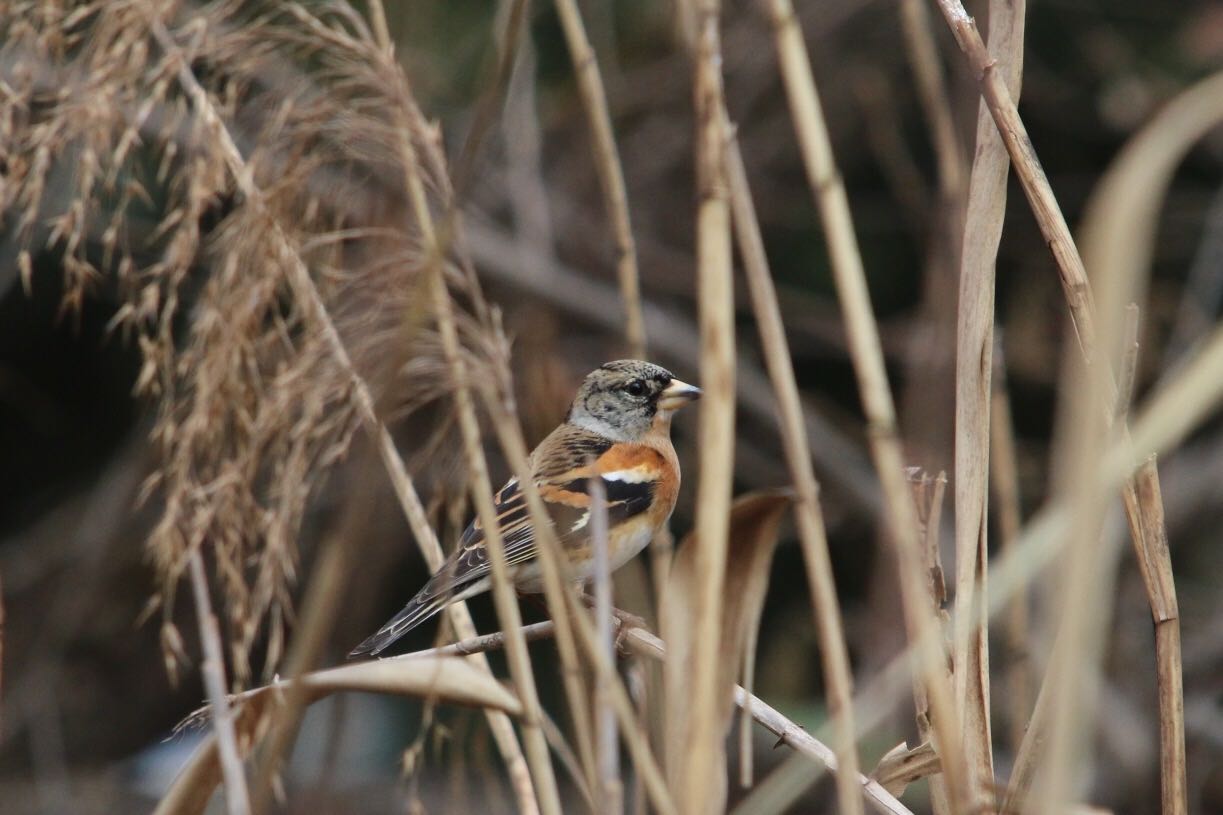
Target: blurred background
(88,707)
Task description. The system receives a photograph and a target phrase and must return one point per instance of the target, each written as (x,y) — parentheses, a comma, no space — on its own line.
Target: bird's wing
(563,465)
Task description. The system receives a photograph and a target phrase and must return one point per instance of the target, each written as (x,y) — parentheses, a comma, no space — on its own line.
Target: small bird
(617,429)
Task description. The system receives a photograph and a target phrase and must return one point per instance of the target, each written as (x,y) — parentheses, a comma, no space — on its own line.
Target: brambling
(617,429)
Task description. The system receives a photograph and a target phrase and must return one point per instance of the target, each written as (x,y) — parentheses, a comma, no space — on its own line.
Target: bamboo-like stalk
(809,519)
(308,295)
(237,797)
(850,280)
(985,212)
(611,173)
(691,771)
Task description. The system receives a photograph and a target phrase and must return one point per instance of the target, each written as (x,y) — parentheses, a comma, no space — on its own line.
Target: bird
(618,429)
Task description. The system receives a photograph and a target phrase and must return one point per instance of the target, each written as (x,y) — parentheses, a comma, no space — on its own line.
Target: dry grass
(275,215)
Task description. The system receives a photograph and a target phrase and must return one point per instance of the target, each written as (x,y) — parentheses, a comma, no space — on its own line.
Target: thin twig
(810,521)
(865,350)
(611,173)
(237,798)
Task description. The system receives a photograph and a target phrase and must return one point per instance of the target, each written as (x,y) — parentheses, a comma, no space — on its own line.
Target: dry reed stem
(237,798)
(308,295)
(932,94)
(1004,480)
(489,105)
(323,599)
(1028,169)
(639,641)
(567,612)
(1168,415)
(1084,583)
(690,772)
(436,242)
(1155,565)
(1136,242)
(1118,236)
(607,744)
(808,516)
(611,173)
(558,592)
(748,672)
(867,355)
(504,596)
(985,212)
(631,731)
(928,495)
(676,339)
(456,681)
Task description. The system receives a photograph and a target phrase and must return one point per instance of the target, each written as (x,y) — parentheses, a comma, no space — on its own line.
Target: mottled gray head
(622,399)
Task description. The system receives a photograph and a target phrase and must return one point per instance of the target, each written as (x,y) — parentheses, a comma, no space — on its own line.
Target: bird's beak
(678,394)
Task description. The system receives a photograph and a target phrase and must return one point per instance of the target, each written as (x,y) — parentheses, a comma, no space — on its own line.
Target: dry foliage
(255,187)
(111,171)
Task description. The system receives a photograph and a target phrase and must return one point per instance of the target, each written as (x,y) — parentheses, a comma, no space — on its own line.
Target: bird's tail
(422,607)
(436,595)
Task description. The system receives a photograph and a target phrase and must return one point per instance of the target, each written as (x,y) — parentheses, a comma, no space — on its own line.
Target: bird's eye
(635,388)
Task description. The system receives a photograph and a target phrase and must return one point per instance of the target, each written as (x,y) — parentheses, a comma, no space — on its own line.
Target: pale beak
(678,394)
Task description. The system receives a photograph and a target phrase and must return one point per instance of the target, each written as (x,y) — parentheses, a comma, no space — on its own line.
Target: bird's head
(624,399)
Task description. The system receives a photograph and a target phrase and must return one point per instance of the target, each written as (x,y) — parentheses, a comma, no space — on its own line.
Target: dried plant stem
(985,212)
(850,279)
(1155,565)
(237,799)
(928,496)
(810,521)
(309,297)
(639,641)
(1031,175)
(558,593)
(611,173)
(932,93)
(1004,480)
(323,599)
(1118,234)
(692,770)
(607,744)
(504,596)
